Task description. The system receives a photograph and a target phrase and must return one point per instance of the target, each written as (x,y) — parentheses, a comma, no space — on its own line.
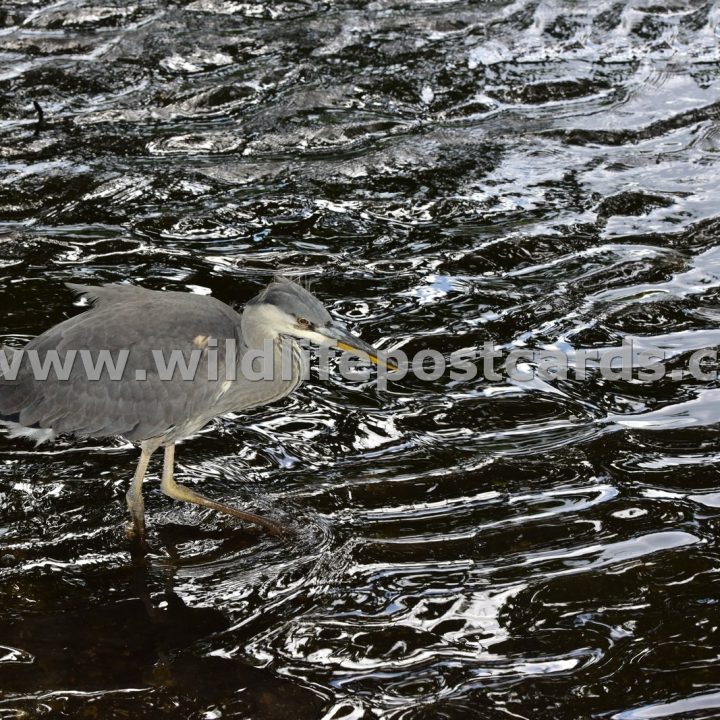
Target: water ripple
(541,175)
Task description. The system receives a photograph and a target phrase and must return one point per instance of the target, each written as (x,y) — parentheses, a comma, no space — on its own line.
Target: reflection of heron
(155,411)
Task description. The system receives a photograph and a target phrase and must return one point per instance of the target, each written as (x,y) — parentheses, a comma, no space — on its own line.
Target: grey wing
(130,323)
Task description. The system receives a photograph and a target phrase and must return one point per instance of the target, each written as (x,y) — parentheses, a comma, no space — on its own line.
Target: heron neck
(256,330)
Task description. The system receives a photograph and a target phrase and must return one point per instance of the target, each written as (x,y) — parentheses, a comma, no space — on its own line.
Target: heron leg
(135,502)
(180,492)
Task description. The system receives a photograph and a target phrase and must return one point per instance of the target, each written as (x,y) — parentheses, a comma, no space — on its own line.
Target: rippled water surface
(537,174)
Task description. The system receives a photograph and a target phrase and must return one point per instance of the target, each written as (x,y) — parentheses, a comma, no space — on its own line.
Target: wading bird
(141,402)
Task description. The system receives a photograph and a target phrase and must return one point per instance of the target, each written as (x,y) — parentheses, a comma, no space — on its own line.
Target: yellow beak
(361,348)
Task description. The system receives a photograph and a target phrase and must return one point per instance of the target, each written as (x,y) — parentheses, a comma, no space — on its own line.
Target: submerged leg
(180,492)
(135,502)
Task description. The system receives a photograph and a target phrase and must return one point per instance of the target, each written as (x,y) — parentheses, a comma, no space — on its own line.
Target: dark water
(539,174)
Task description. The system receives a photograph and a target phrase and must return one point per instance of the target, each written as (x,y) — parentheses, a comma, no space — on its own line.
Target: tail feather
(36,433)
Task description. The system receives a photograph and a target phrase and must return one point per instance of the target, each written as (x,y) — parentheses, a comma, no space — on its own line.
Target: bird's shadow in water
(178,625)
(115,632)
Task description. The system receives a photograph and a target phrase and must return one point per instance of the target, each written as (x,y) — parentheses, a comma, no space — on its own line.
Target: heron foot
(132,532)
(135,530)
(138,544)
(272,528)
(276,529)
(186,494)
(181,492)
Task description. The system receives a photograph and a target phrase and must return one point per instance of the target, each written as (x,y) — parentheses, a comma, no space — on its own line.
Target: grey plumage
(158,412)
(123,317)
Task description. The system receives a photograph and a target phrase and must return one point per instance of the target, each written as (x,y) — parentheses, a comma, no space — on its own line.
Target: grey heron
(139,403)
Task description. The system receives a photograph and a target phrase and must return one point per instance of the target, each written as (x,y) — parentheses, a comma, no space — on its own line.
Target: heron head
(289,309)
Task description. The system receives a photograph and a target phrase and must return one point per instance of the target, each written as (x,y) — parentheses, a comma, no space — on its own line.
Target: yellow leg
(180,492)
(135,502)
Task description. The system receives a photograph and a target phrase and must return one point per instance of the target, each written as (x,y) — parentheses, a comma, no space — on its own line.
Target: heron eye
(303,322)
